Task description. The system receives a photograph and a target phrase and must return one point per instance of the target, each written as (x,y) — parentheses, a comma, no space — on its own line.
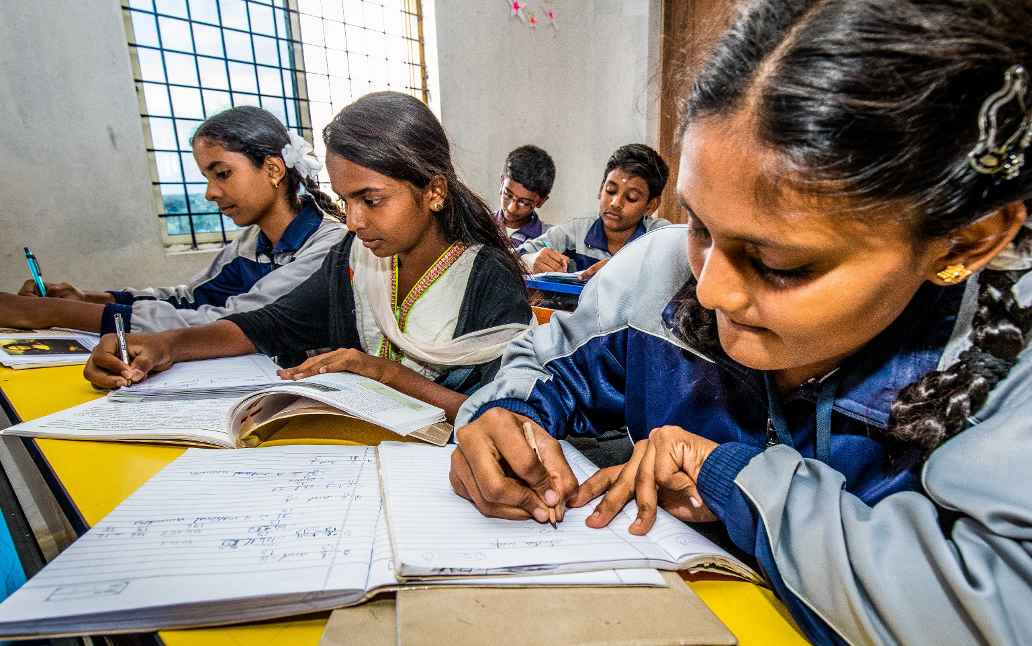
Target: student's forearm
(416,385)
(218,339)
(37,312)
(103,298)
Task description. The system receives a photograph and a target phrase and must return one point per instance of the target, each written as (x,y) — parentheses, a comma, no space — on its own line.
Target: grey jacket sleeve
(156,315)
(950,567)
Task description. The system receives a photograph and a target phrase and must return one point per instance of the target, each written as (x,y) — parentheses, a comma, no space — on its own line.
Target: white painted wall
(74,176)
(579,92)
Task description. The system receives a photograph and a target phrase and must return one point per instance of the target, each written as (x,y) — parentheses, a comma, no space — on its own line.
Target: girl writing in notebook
(255,170)
(830,358)
(423,294)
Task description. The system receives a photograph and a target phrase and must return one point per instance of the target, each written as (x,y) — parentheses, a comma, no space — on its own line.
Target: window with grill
(302,60)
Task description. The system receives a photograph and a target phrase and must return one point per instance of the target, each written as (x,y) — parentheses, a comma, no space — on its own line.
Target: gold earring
(954,273)
(436,206)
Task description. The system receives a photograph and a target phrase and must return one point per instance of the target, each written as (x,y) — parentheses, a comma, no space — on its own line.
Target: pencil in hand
(528,433)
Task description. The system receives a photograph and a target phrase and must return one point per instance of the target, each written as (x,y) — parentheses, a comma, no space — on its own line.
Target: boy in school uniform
(631,187)
(526,183)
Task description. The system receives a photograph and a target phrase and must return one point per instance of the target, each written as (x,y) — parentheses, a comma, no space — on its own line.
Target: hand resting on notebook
(344,360)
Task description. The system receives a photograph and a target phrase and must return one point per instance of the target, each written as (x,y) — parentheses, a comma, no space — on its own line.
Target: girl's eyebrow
(747,239)
(365,191)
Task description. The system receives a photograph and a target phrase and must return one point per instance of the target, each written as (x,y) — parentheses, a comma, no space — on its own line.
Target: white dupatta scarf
(372,285)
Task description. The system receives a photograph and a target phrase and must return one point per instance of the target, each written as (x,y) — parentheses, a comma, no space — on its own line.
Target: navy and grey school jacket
(582,240)
(247,274)
(859,552)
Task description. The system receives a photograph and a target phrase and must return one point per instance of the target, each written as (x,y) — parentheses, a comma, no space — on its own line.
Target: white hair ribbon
(298,155)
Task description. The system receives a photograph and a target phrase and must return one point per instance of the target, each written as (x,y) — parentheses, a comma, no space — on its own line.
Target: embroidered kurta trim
(429,277)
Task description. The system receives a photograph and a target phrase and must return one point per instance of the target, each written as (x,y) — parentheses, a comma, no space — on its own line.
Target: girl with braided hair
(830,359)
(255,170)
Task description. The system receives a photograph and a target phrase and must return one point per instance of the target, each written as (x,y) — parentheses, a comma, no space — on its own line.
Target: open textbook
(488,546)
(221,537)
(179,407)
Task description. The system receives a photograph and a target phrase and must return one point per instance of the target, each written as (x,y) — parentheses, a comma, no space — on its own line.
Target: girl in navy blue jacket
(829,358)
(255,169)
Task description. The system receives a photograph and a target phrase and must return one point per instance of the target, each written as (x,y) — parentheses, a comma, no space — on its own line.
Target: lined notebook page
(290,524)
(201,420)
(382,574)
(435,532)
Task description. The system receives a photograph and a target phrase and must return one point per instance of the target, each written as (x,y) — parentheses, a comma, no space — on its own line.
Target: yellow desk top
(100,475)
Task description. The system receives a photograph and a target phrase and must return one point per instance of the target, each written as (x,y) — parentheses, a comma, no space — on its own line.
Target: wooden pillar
(690,29)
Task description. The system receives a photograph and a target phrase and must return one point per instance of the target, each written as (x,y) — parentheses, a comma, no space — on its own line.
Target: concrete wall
(579,92)
(74,175)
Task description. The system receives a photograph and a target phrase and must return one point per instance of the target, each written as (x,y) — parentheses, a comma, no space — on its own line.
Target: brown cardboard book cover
(582,616)
(369,624)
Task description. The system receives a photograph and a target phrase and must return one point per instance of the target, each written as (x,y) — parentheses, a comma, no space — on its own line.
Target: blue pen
(37,276)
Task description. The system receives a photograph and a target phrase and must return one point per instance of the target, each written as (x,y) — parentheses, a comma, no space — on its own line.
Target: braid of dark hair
(467,218)
(325,203)
(933,409)
(693,323)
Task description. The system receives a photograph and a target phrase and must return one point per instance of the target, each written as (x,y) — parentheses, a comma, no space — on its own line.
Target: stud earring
(436,206)
(954,273)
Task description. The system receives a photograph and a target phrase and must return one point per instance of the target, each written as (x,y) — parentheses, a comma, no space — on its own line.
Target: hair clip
(989,157)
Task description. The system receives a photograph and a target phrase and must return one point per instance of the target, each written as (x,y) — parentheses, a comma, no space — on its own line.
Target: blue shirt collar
(531,229)
(870,380)
(304,224)
(596,238)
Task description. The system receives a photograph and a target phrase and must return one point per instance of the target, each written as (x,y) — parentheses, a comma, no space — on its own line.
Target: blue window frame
(302,60)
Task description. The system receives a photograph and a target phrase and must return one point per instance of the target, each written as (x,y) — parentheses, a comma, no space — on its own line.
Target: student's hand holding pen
(496,469)
(550,260)
(65,291)
(148,353)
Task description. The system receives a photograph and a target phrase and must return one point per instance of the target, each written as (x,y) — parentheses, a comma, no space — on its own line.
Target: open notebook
(182,411)
(221,537)
(470,544)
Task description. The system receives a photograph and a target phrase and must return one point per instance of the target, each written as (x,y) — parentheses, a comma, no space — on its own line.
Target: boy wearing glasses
(526,182)
(632,183)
